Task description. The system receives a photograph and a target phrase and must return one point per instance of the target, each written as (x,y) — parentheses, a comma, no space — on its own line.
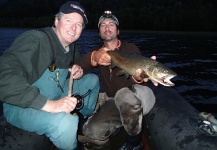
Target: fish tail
(110,70)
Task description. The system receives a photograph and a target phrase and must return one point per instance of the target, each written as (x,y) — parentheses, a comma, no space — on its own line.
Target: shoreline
(171,32)
(193,33)
(190,33)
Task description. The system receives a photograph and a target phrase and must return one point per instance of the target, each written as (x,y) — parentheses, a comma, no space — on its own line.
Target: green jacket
(26,60)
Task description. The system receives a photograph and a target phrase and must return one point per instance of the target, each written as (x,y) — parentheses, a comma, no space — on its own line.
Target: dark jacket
(116,82)
(26,60)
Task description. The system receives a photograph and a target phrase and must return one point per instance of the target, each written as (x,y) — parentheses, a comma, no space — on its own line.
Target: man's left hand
(139,71)
(76,71)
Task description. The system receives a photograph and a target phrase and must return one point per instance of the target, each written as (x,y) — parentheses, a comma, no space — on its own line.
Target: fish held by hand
(151,69)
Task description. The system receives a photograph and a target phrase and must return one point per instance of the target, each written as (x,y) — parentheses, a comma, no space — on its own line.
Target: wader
(125,109)
(60,128)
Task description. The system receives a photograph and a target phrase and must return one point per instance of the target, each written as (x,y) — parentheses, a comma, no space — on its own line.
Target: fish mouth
(165,80)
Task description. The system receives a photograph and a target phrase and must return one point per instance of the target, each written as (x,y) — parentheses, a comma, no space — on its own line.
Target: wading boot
(133,142)
(127,146)
(90,144)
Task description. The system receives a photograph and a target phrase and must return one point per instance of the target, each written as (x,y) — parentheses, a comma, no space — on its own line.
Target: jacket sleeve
(85,62)
(20,66)
(76,55)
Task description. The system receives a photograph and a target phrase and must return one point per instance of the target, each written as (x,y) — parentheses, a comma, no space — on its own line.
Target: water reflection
(192,57)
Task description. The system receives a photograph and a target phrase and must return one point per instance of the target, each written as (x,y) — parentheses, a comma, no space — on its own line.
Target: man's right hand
(101,57)
(65,104)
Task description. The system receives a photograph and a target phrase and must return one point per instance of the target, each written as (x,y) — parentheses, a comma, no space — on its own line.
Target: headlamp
(108,14)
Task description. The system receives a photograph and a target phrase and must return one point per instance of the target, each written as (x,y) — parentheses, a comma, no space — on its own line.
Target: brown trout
(151,69)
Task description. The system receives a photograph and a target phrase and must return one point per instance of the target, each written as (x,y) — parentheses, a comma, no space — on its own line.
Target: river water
(192,56)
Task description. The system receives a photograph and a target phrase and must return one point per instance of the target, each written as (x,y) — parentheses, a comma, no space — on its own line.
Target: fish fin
(110,70)
(127,75)
(122,72)
(112,65)
(110,77)
(143,74)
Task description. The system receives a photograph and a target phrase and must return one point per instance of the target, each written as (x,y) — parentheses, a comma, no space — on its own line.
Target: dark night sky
(167,15)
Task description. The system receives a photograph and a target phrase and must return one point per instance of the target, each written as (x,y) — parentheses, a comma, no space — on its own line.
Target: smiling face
(108,30)
(68,28)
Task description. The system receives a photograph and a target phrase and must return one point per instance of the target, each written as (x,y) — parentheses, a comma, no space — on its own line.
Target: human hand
(140,79)
(76,71)
(101,57)
(153,57)
(155,83)
(65,104)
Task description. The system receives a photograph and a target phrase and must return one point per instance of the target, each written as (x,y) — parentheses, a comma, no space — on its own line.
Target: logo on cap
(77,7)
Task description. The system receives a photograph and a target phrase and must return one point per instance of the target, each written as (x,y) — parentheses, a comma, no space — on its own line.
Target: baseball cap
(73,6)
(108,14)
